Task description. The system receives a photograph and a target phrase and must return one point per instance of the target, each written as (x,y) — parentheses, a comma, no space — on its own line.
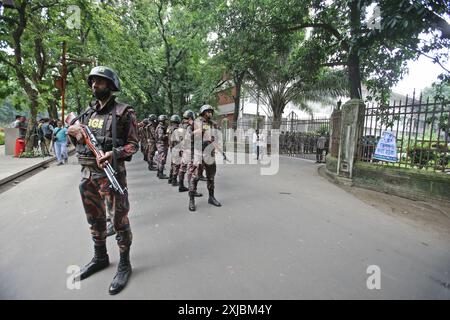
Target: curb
(333,178)
(29,169)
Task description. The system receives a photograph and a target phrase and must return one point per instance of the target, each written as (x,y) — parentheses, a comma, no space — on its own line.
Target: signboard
(386,148)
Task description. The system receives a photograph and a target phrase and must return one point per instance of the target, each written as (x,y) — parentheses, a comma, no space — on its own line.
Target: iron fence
(421,128)
(304,138)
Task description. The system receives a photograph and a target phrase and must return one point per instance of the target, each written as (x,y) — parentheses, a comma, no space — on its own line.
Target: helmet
(205,107)
(189,114)
(162,117)
(107,73)
(152,117)
(145,121)
(175,118)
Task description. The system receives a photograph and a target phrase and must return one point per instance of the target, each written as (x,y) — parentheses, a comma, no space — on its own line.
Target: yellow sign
(96,123)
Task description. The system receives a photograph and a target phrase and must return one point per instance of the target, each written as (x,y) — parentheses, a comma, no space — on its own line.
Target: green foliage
(2,137)
(33,153)
(323,130)
(171,55)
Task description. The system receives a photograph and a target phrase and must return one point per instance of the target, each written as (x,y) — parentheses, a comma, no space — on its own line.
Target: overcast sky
(422,73)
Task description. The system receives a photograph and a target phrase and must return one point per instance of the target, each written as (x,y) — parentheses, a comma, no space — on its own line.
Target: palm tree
(292,75)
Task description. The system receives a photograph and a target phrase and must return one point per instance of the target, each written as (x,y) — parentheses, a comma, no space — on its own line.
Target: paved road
(288,236)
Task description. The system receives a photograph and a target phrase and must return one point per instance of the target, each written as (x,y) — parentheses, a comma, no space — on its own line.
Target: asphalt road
(292,235)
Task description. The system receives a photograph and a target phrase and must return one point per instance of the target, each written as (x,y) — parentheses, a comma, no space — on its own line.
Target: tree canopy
(172,55)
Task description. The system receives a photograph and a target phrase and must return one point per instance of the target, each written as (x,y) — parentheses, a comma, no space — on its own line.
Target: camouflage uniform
(151,142)
(204,135)
(94,187)
(184,132)
(175,152)
(142,139)
(162,145)
(115,127)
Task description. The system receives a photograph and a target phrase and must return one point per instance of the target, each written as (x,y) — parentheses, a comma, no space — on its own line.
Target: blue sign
(386,148)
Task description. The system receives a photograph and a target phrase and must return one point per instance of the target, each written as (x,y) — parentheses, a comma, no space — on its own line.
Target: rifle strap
(114,135)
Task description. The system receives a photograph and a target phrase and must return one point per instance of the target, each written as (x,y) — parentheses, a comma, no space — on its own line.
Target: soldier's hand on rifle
(76,131)
(101,162)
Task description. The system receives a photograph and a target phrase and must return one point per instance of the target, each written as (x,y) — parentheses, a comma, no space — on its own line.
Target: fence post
(351,130)
(335,131)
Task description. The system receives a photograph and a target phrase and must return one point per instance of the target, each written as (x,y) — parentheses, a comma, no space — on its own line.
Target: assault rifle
(93,145)
(216,146)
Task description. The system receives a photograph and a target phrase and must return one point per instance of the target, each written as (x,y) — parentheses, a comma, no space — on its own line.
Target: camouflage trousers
(175,163)
(95,195)
(195,170)
(151,150)
(162,156)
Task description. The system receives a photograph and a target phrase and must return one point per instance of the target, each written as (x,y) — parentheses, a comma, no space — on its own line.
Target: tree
(372,51)
(26,48)
(291,73)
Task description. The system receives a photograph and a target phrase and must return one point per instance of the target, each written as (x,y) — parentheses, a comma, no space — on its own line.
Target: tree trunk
(238,78)
(30,137)
(52,110)
(237,100)
(354,73)
(170,93)
(277,117)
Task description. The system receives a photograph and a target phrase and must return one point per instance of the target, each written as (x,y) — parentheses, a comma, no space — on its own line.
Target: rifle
(92,144)
(221,151)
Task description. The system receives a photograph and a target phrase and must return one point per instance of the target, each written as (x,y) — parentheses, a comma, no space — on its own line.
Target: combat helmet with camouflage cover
(175,118)
(107,73)
(189,114)
(205,108)
(152,117)
(162,117)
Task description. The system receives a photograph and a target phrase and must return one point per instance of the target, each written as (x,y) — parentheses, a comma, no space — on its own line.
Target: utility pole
(63,79)
(257,126)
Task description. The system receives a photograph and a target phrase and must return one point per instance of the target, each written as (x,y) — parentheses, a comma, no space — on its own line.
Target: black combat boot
(191,201)
(181,187)
(123,273)
(151,167)
(174,181)
(99,262)
(212,200)
(161,175)
(170,179)
(198,194)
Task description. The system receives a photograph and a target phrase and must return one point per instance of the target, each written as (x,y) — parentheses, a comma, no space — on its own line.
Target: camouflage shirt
(99,120)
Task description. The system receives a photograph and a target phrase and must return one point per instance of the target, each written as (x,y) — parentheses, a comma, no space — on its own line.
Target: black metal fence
(421,130)
(304,138)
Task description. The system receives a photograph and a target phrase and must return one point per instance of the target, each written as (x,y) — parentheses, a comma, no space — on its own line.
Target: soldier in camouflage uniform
(115,127)
(162,145)
(205,140)
(184,131)
(150,130)
(142,137)
(174,149)
(282,143)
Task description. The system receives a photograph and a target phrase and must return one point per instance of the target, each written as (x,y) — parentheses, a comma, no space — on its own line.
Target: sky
(422,73)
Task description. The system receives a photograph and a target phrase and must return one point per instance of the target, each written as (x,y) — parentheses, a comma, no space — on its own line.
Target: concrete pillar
(11,134)
(335,132)
(352,124)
